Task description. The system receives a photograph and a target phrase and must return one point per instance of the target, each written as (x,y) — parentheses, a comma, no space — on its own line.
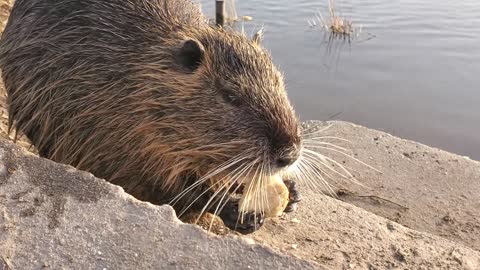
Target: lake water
(418,78)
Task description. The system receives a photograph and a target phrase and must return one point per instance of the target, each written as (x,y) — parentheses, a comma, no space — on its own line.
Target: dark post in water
(220,12)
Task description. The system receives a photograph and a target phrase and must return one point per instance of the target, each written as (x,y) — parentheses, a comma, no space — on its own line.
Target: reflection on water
(418,78)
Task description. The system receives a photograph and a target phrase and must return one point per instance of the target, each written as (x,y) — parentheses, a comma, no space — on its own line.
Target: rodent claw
(233,220)
(293,196)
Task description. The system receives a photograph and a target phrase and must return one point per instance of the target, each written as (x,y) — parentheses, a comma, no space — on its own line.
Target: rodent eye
(230,97)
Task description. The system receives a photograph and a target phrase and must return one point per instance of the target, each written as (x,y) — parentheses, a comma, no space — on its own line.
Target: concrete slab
(55,217)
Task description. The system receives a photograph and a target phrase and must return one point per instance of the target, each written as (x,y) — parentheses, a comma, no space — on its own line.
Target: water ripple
(418,76)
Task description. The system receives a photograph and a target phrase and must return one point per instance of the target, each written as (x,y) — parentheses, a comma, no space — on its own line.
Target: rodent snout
(287,158)
(285,146)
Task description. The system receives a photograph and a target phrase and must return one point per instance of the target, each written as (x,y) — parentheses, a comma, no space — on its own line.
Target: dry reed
(335,24)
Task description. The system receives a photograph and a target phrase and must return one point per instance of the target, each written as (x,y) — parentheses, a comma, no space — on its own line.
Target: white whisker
(320,144)
(316,139)
(232,177)
(349,156)
(313,161)
(222,167)
(323,160)
(314,174)
(311,175)
(221,205)
(207,190)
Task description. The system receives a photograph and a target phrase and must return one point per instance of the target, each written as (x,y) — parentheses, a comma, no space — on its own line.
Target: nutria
(149,96)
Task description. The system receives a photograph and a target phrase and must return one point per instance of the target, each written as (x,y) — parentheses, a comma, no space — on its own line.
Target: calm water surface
(418,78)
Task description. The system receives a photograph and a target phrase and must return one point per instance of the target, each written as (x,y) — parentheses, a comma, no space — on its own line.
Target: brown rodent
(147,95)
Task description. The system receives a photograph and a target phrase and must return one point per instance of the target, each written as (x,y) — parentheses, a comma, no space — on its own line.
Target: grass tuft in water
(335,24)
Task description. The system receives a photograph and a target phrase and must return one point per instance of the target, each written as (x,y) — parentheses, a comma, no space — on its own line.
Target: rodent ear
(191,54)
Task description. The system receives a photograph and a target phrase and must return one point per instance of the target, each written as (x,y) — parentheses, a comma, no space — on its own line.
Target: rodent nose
(285,145)
(287,159)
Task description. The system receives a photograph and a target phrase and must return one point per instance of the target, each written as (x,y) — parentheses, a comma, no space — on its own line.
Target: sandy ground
(421,188)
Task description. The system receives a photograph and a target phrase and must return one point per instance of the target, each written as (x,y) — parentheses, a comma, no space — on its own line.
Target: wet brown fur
(97,84)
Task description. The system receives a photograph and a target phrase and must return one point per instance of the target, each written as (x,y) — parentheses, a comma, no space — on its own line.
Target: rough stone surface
(54,217)
(428,189)
(415,186)
(440,190)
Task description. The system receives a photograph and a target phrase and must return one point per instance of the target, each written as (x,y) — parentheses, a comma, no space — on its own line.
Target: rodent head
(227,106)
